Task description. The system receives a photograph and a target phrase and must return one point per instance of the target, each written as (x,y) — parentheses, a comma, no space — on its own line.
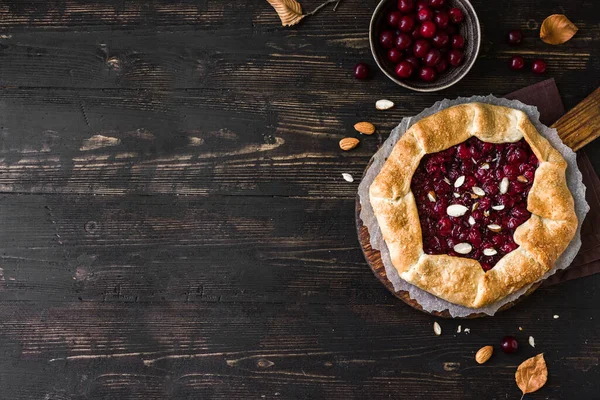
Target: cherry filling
(472,197)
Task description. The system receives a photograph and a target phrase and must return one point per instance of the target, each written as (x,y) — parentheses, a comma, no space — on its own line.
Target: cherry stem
(337,2)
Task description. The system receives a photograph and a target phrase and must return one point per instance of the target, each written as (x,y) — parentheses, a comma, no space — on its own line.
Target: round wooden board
(374,260)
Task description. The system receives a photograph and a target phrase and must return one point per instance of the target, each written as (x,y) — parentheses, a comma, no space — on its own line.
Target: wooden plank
(181,249)
(581,125)
(59,141)
(241,351)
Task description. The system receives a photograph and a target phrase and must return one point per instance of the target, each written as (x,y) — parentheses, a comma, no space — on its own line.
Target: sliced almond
(456,195)
(437,329)
(456,210)
(494,227)
(522,179)
(447,181)
(478,191)
(384,104)
(459,182)
(471,220)
(531,341)
(486,213)
(504,185)
(474,162)
(348,143)
(484,354)
(463,248)
(431,196)
(366,128)
(475,206)
(484,166)
(347,177)
(499,207)
(489,252)
(474,196)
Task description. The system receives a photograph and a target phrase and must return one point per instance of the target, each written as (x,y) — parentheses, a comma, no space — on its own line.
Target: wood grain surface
(175,223)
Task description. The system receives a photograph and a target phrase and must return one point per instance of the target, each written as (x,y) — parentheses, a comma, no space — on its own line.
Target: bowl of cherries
(425,45)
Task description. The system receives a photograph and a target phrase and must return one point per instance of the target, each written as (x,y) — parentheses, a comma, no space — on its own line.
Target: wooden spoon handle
(581,125)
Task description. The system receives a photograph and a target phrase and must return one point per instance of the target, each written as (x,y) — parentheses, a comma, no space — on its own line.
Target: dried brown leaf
(532,374)
(557,29)
(289,11)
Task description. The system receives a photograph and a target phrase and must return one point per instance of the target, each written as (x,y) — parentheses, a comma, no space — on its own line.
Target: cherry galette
(472,197)
(473,204)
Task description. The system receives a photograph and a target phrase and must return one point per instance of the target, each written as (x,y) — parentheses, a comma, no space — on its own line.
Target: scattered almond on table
(366,128)
(384,104)
(348,143)
(484,354)
(437,329)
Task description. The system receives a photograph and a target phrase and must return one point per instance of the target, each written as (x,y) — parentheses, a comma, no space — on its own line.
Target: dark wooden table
(175,223)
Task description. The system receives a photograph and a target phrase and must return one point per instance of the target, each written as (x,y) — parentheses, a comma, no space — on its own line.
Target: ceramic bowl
(469,28)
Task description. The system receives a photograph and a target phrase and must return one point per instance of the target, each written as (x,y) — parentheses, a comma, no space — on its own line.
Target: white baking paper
(428,301)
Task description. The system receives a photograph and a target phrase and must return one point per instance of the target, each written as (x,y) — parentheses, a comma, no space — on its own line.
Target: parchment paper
(428,301)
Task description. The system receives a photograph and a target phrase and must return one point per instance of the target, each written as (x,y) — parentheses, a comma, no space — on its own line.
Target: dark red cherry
(463,152)
(455,57)
(445,226)
(406,6)
(451,29)
(428,29)
(514,37)
(441,39)
(437,3)
(422,4)
(425,14)
(441,19)
(474,238)
(441,66)
(517,156)
(394,55)
(406,23)
(509,344)
(403,41)
(386,39)
(427,74)
(456,15)
(517,63)
(432,57)
(538,66)
(458,41)
(498,240)
(421,47)
(393,18)
(486,266)
(414,61)
(404,69)
(361,71)
(416,33)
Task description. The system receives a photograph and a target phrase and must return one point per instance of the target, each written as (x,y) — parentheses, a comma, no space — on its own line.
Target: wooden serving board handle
(581,125)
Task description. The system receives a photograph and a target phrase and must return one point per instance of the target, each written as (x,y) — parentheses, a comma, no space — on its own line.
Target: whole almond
(484,354)
(348,143)
(366,128)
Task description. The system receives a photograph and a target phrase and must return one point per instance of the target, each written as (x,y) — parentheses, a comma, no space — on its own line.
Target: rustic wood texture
(175,222)
(581,125)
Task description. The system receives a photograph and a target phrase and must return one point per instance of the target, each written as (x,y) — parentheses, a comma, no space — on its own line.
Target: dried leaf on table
(557,29)
(532,374)
(289,11)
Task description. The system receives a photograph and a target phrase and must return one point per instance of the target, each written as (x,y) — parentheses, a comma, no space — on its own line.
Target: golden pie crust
(541,239)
